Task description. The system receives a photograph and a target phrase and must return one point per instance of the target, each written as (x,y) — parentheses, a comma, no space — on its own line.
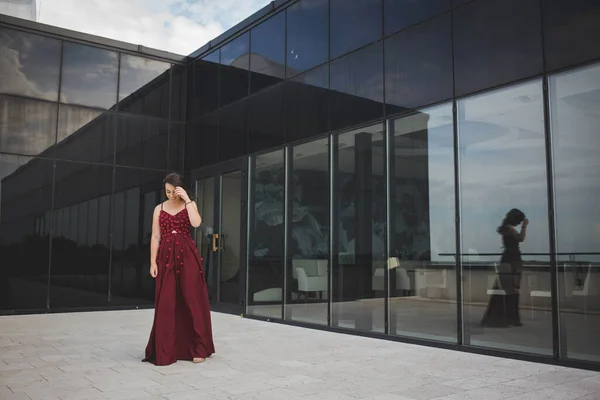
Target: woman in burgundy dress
(182,328)
(503,309)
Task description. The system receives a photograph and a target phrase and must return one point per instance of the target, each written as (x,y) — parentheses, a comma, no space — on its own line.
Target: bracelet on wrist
(189,202)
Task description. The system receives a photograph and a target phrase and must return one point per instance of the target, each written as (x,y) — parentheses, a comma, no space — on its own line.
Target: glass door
(221,197)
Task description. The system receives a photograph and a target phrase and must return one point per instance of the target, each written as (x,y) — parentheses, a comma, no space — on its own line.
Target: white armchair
(402,278)
(311,275)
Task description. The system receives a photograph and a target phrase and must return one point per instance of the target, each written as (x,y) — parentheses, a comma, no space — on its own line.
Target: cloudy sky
(179,26)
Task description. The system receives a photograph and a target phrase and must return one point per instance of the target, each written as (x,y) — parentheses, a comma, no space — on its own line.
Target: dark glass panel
(571,32)
(180,79)
(152,100)
(354,24)
(79,274)
(233,135)
(308,246)
(422,281)
(307,104)
(267,58)
(89,76)
(176,146)
(201,142)
(401,14)
(206,85)
(233,73)
(85,134)
(144,86)
(266,229)
(137,72)
(137,192)
(25,205)
(496,42)
(575,101)
(142,142)
(456,3)
(265,120)
(418,66)
(503,167)
(26,126)
(357,87)
(29,64)
(307,35)
(360,204)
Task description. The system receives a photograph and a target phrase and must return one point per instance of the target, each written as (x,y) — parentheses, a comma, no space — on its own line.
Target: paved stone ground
(90,356)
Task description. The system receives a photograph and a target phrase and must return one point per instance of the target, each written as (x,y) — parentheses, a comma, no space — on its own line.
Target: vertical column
(363,166)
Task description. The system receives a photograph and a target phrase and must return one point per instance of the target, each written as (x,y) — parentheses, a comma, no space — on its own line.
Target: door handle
(215,236)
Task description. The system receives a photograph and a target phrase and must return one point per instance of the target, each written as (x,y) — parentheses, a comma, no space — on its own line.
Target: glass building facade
(351,160)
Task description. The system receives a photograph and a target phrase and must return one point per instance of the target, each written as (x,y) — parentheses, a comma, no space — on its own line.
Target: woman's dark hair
(173,179)
(514,217)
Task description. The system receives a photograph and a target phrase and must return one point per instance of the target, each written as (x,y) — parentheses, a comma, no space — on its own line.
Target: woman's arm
(193,214)
(154,240)
(195,218)
(520,236)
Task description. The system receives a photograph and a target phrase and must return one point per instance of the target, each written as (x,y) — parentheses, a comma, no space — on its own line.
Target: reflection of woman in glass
(182,326)
(503,306)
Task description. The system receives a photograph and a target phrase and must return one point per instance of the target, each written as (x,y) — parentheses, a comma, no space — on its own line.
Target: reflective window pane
(233,131)
(265,120)
(457,3)
(354,24)
(307,104)
(506,268)
(360,204)
(89,76)
(307,35)
(79,275)
(137,192)
(357,87)
(25,206)
(206,85)
(401,14)
(176,146)
(233,74)
(267,59)
(496,42)
(84,134)
(140,79)
(137,72)
(142,142)
(575,101)
(266,229)
(308,247)
(180,79)
(29,64)
(26,126)
(418,66)
(571,32)
(422,281)
(202,139)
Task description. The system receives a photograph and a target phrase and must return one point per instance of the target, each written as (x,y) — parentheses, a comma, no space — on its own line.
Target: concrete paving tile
(429,391)
(551,393)
(594,396)
(98,355)
(110,385)
(212,394)
(474,382)
(329,395)
(168,389)
(492,392)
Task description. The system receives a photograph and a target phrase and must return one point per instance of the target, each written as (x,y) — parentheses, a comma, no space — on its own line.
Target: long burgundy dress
(182,328)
